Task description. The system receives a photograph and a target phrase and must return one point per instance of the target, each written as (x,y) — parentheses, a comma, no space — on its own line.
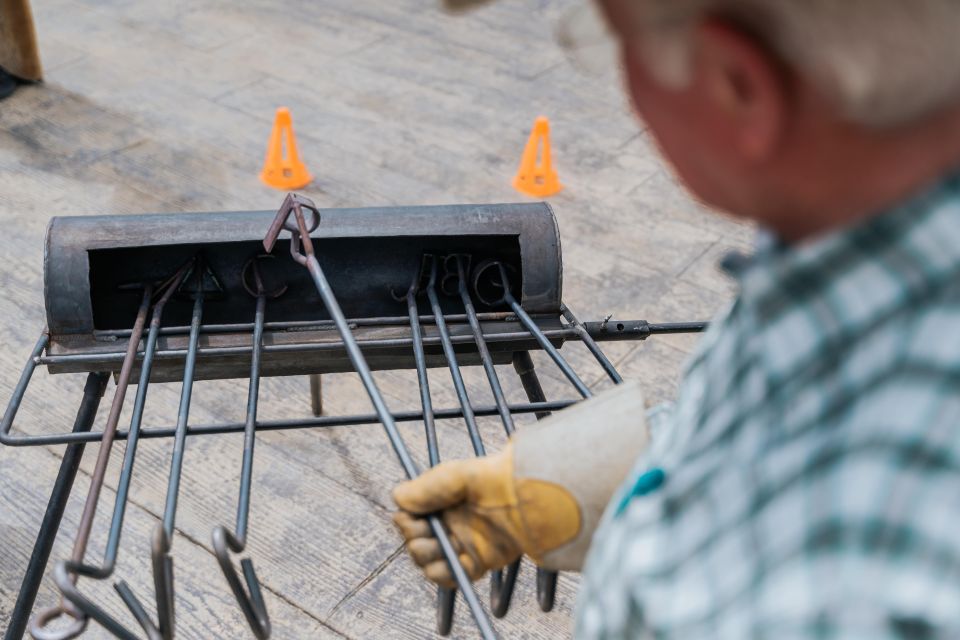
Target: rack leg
(92,393)
(316,395)
(523,365)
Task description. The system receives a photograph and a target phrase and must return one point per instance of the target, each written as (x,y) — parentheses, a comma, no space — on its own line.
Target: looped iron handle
(299,228)
(38,625)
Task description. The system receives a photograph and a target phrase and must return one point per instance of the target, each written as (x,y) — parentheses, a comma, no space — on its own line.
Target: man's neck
(857,173)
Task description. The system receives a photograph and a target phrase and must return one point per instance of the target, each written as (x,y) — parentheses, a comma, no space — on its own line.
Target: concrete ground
(166,106)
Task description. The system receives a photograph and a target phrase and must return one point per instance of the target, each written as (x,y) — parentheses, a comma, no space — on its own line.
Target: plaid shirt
(807,484)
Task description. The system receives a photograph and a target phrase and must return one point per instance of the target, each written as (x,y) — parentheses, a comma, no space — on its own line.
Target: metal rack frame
(299,217)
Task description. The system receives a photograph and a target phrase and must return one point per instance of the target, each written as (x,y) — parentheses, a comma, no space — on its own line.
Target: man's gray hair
(884,62)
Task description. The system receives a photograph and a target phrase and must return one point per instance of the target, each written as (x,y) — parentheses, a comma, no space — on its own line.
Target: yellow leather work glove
(542,496)
(493,518)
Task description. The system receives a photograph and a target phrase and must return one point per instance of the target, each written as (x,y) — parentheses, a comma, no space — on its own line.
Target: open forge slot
(365,272)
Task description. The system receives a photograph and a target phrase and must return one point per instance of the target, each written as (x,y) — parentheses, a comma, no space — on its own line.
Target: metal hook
(161,543)
(66,572)
(256,289)
(250,600)
(163,586)
(492,274)
(69,605)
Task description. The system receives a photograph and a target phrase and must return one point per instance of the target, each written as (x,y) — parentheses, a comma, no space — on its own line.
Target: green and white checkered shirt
(807,484)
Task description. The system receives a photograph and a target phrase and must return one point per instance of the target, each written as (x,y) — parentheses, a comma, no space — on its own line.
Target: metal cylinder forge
(95,268)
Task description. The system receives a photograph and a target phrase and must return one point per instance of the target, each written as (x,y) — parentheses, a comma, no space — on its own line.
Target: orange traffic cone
(284,171)
(537,179)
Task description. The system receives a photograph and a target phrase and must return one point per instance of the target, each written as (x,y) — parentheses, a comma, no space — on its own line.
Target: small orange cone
(284,171)
(537,179)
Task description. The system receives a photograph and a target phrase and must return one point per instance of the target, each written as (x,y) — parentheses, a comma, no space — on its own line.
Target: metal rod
(301,234)
(423,381)
(535,331)
(498,586)
(50,525)
(44,616)
(291,424)
(588,340)
(409,467)
(501,587)
(20,389)
(446,598)
(161,560)
(183,416)
(251,600)
(300,347)
(498,397)
(301,325)
(468,416)
(316,392)
(635,330)
(65,572)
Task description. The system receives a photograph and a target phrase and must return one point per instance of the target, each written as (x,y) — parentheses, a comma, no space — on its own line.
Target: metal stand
(92,393)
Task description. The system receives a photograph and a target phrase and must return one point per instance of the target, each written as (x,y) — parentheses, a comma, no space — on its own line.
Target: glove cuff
(567,466)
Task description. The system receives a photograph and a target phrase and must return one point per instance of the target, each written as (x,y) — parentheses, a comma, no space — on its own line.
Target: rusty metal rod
(79,622)
(161,560)
(66,572)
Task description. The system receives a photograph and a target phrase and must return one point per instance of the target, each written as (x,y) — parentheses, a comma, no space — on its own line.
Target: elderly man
(807,483)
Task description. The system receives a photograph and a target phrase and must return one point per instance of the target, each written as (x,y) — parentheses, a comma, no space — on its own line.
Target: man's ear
(745,83)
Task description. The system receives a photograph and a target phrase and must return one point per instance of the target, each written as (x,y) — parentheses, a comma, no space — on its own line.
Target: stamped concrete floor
(166,106)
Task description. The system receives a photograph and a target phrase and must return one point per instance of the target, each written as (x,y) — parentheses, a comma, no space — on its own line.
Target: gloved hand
(492,516)
(543,495)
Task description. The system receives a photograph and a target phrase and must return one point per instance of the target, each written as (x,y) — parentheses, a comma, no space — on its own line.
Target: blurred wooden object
(19,54)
